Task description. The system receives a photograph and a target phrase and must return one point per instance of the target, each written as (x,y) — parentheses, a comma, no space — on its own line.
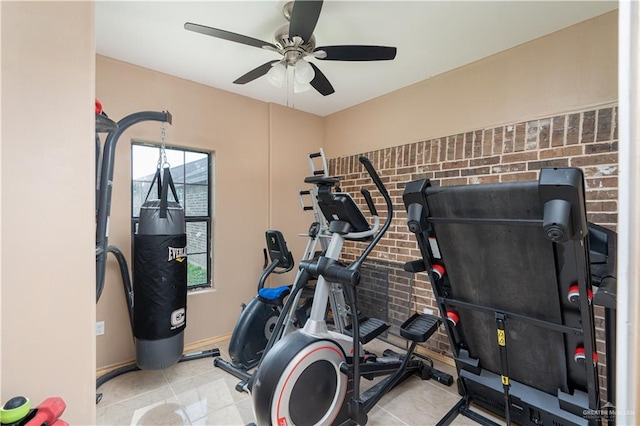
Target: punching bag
(160,279)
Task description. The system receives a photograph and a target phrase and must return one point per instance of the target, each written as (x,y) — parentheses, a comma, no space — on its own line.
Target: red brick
(604,195)
(375,160)
(603,217)
(497,140)
(410,154)
(435,150)
(455,164)
(566,151)
(610,170)
(405,170)
(513,177)
(588,126)
(443,149)
(591,160)
(475,171)
(477,143)
(424,155)
(531,141)
(451,148)
(454,181)
(557,133)
(484,179)
(484,161)
(400,156)
(508,139)
(604,130)
(596,148)
(447,173)
(508,168)
(602,182)
(573,129)
(544,130)
(488,142)
(520,137)
(459,152)
(602,206)
(557,162)
(468,145)
(418,176)
(519,156)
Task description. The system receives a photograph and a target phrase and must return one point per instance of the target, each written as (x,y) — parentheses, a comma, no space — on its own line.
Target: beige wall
(565,71)
(293,134)
(48,272)
(203,118)
(260,161)
(568,70)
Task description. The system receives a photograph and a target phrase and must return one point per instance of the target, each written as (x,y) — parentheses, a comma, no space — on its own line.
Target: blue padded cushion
(273,293)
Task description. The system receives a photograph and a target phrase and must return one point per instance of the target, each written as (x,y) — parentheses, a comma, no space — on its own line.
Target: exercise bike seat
(274,296)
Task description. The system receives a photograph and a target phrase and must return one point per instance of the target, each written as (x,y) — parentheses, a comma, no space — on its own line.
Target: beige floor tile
(129,385)
(183,370)
(196,392)
(205,393)
(240,413)
(381,417)
(418,402)
(224,349)
(157,407)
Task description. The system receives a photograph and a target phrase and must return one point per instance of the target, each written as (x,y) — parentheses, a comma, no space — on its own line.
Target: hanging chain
(162,159)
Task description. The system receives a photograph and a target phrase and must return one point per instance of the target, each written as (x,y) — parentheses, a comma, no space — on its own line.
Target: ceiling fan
(295,42)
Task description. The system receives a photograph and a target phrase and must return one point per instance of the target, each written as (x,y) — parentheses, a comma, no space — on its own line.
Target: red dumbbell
(438,271)
(579,355)
(574,294)
(453,317)
(49,412)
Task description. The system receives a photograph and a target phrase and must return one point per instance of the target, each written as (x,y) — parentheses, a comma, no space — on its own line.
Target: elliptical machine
(267,317)
(259,317)
(312,376)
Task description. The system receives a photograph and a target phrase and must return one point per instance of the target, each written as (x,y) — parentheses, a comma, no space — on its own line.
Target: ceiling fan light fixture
(304,72)
(300,87)
(276,75)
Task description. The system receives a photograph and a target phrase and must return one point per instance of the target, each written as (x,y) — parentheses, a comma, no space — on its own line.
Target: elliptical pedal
(369,329)
(420,327)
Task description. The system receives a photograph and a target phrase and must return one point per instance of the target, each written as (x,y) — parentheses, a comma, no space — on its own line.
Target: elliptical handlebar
(383,190)
(330,269)
(364,234)
(367,197)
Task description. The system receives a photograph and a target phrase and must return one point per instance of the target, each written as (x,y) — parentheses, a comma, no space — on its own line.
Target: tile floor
(197,393)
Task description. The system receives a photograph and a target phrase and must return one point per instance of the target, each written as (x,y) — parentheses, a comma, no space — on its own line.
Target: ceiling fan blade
(358,53)
(255,73)
(304,18)
(226,35)
(320,82)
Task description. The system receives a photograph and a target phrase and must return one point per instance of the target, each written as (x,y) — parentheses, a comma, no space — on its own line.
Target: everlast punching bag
(160,280)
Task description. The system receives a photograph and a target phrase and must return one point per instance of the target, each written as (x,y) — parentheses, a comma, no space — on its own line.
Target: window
(191,171)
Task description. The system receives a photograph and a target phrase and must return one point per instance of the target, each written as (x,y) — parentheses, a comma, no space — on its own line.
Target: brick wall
(512,152)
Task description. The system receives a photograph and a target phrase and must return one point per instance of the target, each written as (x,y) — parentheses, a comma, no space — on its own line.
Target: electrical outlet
(427,311)
(99,328)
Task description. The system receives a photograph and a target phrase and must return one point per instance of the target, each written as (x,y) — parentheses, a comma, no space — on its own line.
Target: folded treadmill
(509,264)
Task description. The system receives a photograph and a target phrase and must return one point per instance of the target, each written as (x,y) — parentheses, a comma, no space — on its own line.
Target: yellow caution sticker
(505,380)
(501,338)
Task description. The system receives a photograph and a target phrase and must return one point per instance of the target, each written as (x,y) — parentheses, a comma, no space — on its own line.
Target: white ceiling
(432,37)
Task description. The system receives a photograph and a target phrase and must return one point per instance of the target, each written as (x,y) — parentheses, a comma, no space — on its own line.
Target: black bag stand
(104,179)
(510,269)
